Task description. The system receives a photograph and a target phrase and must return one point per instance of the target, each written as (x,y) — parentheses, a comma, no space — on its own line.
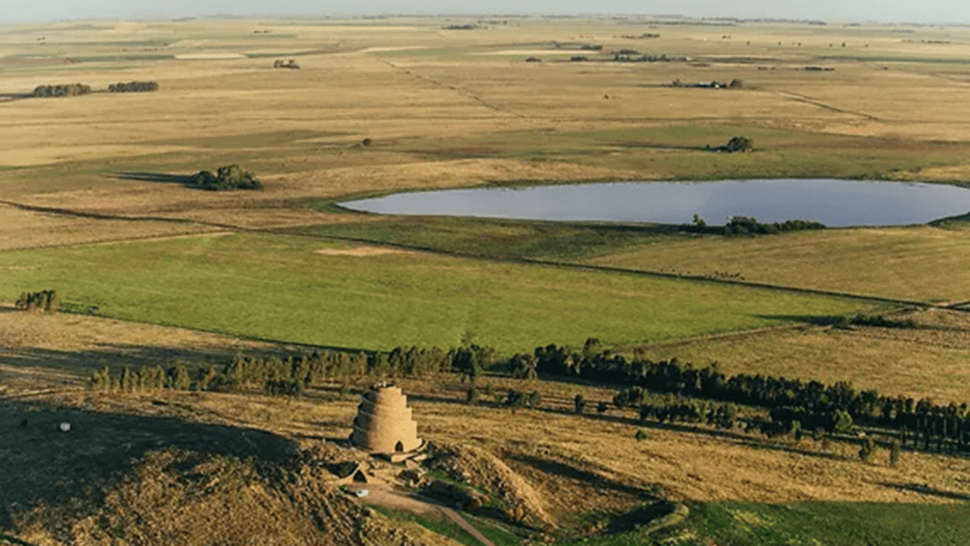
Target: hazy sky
(926,11)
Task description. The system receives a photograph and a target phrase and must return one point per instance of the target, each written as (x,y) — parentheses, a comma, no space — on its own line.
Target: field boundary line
(814,102)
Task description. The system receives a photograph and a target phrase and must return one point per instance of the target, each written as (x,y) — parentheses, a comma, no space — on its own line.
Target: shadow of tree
(816,320)
(559,468)
(160,178)
(40,462)
(924,489)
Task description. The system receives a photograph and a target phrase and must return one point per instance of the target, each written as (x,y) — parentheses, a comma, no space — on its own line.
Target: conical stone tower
(383,423)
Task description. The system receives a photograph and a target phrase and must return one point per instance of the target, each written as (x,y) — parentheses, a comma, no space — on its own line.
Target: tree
(895,449)
(867,450)
(841,422)
(178,377)
(228,177)
(579,403)
(471,397)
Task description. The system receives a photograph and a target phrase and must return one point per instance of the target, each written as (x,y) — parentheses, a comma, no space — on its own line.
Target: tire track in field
(456,89)
(814,102)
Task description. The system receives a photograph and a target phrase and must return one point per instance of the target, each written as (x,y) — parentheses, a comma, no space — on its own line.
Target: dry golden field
(460,108)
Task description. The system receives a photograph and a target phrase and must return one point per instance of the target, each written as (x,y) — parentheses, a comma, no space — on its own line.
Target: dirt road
(384,495)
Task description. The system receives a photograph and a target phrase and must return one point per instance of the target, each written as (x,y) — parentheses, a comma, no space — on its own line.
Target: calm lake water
(835,203)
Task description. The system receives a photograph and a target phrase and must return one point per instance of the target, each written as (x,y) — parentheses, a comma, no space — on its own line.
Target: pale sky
(925,11)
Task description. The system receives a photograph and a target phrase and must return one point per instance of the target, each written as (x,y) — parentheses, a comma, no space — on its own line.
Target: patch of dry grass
(919,263)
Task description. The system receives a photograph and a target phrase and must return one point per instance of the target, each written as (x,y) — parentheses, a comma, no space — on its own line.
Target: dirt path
(384,495)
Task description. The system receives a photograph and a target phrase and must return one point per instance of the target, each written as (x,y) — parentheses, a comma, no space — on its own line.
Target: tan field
(396,104)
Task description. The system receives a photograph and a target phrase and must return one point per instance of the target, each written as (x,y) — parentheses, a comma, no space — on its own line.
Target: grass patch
(917,263)
(301,290)
(849,524)
(496,238)
(808,524)
(441,526)
(678,152)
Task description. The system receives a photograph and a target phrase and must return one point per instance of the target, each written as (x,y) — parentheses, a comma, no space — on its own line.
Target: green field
(678,152)
(493,238)
(738,523)
(281,288)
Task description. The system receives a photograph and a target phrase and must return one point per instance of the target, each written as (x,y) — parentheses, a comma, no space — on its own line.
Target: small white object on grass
(65,427)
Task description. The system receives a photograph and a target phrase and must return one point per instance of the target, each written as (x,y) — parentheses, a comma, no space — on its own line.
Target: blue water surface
(835,203)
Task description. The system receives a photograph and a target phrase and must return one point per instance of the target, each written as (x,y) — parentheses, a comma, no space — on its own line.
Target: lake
(835,203)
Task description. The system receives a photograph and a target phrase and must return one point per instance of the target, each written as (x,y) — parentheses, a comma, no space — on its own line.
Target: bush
(641,435)
(229,177)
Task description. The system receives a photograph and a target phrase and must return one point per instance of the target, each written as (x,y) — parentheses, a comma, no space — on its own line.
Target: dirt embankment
(193,498)
(480,468)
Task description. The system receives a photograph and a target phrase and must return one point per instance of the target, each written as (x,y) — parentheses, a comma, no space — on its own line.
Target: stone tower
(383,423)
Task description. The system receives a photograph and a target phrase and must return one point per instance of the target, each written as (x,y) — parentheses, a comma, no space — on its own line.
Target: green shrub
(641,435)
(867,450)
(895,449)
(229,177)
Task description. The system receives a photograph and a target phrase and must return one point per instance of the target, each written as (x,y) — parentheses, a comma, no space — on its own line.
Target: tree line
(43,301)
(61,90)
(811,404)
(702,394)
(283,374)
(745,225)
(133,87)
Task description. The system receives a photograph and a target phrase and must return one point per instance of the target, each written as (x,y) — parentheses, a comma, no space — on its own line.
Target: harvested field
(929,362)
(919,263)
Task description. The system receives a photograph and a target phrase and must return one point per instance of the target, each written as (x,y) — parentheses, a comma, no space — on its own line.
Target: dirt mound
(480,468)
(191,498)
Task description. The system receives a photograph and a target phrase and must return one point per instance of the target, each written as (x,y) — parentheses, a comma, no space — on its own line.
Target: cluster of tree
(62,90)
(469,360)
(291,374)
(286,64)
(744,225)
(733,84)
(812,404)
(519,399)
(43,301)
(229,177)
(133,87)
(736,144)
(881,321)
(152,377)
(460,27)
